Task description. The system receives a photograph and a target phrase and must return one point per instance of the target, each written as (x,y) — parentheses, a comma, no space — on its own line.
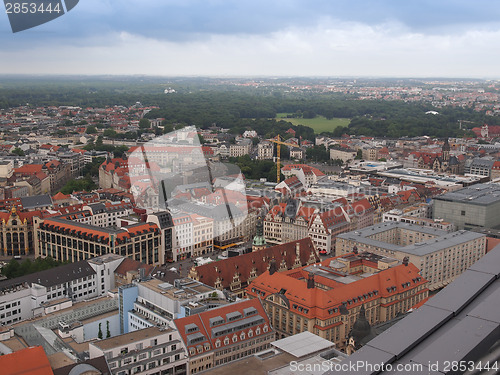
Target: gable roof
(243,264)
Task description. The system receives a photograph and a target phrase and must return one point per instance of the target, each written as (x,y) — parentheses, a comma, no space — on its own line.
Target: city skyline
(233,38)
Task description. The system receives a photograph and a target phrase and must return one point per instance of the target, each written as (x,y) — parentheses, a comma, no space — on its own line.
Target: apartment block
(439,255)
(149,351)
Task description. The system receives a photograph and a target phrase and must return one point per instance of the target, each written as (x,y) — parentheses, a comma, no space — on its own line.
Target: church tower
(446,151)
(259,242)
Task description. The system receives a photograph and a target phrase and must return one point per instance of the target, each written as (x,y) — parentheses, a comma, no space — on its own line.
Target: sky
(333,38)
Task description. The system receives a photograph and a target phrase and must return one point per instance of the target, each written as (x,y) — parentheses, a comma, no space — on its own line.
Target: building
(226,334)
(478,167)
(67,240)
(297,153)
(44,292)
(16,232)
(107,214)
(472,207)
(31,360)
(235,273)
(165,222)
(440,256)
(459,325)
(149,351)
(265,150)
(148,302)
(343,153)
(326,299)
(242,147)
(203,235)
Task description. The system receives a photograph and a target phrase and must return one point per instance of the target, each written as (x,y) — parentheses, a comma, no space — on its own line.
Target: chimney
(272,266)
(297,248)
(355,249)
(310,281)
(406,260)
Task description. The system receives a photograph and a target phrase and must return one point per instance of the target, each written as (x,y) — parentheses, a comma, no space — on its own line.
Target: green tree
(108,332)
(359,155)
(144,123)
(99,334)
(91,130)
(109,133)
(18,151)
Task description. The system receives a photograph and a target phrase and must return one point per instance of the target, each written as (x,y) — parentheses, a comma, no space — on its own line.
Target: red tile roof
(315,302)
(202,322)
(29,361)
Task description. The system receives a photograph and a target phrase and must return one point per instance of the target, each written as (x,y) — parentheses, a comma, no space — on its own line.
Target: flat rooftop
(128,338)
(479,194)
(441,240)
(253,365)
(303,344)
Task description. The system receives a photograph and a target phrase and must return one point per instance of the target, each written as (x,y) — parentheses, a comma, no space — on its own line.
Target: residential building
(226,334)
(439,255)
(149,351)
(297,153)
(343,153)
(203,231)
(182,243)
(242,147)
(107,214)
(265,150)
(44,292)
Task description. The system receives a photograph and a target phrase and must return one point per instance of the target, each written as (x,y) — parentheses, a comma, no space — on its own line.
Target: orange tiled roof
(318,302)
(202,321)
(29,361)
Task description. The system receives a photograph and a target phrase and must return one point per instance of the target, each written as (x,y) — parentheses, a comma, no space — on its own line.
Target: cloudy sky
(403,38)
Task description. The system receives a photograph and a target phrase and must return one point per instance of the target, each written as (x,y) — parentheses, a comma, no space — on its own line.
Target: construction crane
(279,142)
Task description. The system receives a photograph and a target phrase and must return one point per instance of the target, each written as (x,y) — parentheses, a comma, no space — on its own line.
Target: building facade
(439,255)
(66,240)
(326,299)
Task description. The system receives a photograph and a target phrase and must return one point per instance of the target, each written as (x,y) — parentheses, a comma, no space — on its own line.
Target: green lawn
(319,123)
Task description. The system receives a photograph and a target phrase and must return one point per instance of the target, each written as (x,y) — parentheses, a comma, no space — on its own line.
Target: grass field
(319,123)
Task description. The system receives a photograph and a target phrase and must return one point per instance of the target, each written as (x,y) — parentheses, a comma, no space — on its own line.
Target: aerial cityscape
(312,190)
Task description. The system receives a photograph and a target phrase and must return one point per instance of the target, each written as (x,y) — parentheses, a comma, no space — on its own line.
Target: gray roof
(54,276)
(36,201)
(460,323)
(479,194)
(485,163)
(442,239)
